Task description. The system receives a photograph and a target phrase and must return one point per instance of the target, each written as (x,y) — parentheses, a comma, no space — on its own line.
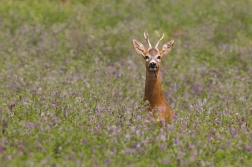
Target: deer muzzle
(152,66)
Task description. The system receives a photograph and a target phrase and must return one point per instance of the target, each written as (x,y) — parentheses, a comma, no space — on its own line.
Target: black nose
(152,65)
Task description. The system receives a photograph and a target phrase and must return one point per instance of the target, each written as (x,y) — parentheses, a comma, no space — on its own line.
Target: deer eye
(146,57)
(158,57)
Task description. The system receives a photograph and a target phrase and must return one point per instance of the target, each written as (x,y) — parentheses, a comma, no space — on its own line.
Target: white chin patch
(153,69)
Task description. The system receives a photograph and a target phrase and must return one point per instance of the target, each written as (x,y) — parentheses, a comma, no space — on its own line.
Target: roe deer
(153,88)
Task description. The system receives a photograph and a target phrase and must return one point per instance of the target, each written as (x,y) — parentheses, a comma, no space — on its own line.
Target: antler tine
(147,39)
(159,40)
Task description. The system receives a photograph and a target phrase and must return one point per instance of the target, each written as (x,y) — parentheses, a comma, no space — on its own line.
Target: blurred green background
(72,85)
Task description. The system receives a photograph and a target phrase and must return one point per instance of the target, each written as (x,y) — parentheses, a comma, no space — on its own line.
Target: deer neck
(153,88)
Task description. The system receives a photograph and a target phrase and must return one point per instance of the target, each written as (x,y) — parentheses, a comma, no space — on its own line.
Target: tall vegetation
(71,84)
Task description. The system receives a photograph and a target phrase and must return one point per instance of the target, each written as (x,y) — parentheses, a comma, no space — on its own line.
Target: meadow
(72,85)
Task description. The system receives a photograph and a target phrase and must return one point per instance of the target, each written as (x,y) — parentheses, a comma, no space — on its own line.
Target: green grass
(72,85)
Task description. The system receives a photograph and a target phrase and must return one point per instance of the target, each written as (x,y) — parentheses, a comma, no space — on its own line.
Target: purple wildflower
(30,124)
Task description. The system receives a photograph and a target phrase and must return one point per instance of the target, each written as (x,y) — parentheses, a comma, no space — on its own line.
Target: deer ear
(139,47)
(167,47)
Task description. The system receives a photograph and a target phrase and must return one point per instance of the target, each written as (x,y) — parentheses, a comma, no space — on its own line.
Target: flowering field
(71,84)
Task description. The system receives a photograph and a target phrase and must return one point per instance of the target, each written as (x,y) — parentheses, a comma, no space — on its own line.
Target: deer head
(152,55)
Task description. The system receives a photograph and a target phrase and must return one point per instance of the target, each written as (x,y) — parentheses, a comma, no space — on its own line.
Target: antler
(159,40)
(147,39)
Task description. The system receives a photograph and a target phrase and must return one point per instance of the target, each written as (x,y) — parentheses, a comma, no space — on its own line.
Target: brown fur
(154,95)
(153,87)
(153,51)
